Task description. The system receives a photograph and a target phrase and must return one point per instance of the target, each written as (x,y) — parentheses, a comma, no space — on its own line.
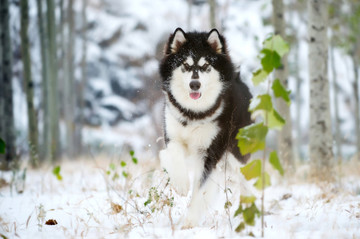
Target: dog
(206,103)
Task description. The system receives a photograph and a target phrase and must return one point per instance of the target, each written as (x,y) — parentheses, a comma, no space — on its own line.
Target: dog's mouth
(195,95)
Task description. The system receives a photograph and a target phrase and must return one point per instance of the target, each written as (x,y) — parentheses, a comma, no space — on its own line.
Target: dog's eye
(187,67)
(205,67)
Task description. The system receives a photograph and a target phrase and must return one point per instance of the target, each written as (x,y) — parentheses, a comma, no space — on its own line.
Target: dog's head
(195,68)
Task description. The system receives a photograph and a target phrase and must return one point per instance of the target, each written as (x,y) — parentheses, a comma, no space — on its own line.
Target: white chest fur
(196,135)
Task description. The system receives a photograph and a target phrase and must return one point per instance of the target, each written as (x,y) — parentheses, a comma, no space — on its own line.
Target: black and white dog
(205,105)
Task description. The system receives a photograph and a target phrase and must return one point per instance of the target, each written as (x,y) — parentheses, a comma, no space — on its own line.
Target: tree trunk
(69,91)
(336,121)
(7,132)
(29,84)
(212,13)
(298,100)
(320,143)
(53,107)
(45,75)
(357,104)
(189,15)
(82,85)
(285,141)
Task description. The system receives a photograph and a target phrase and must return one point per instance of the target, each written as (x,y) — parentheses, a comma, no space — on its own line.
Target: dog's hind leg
(173,160)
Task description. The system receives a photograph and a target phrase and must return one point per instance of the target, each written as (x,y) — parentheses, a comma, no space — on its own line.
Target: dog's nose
(195,85)
(195,74)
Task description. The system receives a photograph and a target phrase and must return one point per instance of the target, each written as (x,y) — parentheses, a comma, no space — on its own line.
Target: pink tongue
(195,95)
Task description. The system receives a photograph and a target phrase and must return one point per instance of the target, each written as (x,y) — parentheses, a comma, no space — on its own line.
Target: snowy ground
(90,202)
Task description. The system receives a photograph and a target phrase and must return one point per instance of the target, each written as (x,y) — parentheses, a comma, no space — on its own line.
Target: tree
(354,38)
(44,75)
(6,93)
(285,141)
(82,84)
(212,11)
(320,144)
(53,144)
(29,84)
(69,85)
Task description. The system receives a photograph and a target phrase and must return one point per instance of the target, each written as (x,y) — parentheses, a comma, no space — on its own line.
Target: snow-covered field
(89,202)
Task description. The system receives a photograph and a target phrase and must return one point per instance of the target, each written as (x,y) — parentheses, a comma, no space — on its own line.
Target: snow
(82,204)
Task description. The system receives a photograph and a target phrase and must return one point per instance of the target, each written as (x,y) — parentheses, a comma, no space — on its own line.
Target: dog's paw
(189,223)
(181,184)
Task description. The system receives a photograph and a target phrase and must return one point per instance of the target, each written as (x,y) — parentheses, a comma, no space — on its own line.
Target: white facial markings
(202,62)
(189,61)
(211,86)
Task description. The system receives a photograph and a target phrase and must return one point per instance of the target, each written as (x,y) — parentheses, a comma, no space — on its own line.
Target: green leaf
(261,102)
(241,227)
(147,202)
(259,183)
(227,204)
(270,60)
(251,170)
(239,210)
(2,146)
(276,43)
(125,174)
(248,199)
(123,163)
(112,166)
(275,121)
(259,76)
(252,138)
(135,161)
(131,153)
(250,213)
(275,162)
(280,91)
(56,172)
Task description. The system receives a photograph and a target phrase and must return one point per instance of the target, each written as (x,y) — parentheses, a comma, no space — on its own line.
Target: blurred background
(80,77)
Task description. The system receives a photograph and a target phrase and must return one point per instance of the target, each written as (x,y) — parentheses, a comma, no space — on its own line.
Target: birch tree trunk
(69,91)
(357,104)
(285,141)
(45,75)
(320,143)
(53,107)
(212,13)
(29,84)
(82,85)
(189,14)
(7,132)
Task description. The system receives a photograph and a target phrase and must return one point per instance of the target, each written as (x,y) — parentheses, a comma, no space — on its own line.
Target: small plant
(41,214)
(112,171)
(253,137)
(56,172)
(158,200)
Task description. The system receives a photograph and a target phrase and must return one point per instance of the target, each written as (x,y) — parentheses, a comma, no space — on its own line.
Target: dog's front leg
(202,198)
(172,159)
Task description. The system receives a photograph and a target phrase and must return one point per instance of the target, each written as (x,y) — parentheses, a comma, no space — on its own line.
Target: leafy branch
(253,137)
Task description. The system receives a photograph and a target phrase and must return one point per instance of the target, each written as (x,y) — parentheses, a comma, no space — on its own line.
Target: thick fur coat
(205,105)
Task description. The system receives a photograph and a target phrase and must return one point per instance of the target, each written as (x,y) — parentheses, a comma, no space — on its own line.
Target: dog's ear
(215,41)
(176,40)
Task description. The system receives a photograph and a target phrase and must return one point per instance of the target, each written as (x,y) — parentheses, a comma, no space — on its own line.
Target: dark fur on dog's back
(234,98)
